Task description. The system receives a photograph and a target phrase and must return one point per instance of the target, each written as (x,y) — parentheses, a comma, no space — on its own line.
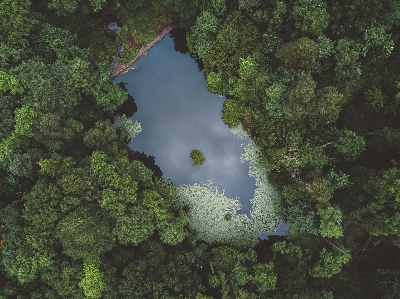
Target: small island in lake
(197,157)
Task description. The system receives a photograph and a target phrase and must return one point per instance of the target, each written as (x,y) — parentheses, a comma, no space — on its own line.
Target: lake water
(178,114)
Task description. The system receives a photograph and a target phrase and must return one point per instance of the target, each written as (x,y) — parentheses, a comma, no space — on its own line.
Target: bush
(197,157)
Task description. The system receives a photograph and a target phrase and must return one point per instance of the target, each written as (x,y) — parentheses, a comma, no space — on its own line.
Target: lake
(178,114)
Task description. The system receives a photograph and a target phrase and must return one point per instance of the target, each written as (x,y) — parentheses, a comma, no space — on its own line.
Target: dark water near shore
(178,114)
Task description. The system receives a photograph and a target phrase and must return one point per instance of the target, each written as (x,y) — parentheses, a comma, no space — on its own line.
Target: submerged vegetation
(315,84)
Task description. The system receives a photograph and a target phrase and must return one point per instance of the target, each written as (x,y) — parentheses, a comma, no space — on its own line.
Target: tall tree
(301,53)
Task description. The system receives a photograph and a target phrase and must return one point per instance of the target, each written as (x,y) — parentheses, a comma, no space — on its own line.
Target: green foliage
(25,254)
(224,258)
(52,88)
(356,17)
(219,6)
(378,42)
(328,102)
(127,129)
(92,283)
(135,226)
(374,200)
(201,296)
(109,168)
(43,194)
(20,165)
(326,46)
(138,214)
(247,86)
(23,121)
(231,112)
(10,83)
(296,152)
(57,85)
(331,218)
(260,16)
(63,7)
(277,17)
(248,4)
(202,34)
(197,157)
(318,189)
(85,233)
(338,180)
(97,4)
(74,125)
(171,228)
(55,165)
(350,145)
(241,270)
(301,53)
(293,260)
(274,99)
(59,41)
(310,16)
(236,38)
(102,134)
(184,11)
(214,82)
(61,202)
(75,183)
(173,231)
(65,278)
(167,190)
(373,99)
(264,277)
(156,272)
(12,226)
(108,95)
(329,264)
(299,213)
(66,7)
(347,56)
(16,22)
(247,68)
(300,96)
(7,122)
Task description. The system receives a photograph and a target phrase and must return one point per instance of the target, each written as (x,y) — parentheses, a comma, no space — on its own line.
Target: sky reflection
(178,114)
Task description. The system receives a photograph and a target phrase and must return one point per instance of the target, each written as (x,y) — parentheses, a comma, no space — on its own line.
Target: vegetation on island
(197,157)
(316,84)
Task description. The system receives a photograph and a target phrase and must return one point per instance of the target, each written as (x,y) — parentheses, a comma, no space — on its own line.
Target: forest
(316,84)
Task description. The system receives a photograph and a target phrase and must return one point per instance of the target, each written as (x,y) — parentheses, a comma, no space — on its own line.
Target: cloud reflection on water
(178,114)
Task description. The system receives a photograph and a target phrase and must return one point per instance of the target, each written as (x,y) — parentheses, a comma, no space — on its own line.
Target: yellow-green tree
(197,157)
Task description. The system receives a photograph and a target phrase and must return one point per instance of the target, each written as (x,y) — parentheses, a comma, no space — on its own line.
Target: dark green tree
(102,134)
(86,232)
(201,37)
(350,145)
(310,16)
(301,53)
(236,38)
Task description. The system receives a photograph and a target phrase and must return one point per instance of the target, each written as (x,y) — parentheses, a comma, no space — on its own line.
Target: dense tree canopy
(315,84)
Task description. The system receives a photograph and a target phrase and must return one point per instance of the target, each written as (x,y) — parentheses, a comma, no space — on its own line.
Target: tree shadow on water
(129,107)
(179,37)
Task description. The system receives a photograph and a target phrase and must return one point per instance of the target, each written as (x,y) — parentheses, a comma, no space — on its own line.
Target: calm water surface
(178,114)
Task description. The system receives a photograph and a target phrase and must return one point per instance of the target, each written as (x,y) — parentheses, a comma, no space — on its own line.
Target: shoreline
(122,69)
